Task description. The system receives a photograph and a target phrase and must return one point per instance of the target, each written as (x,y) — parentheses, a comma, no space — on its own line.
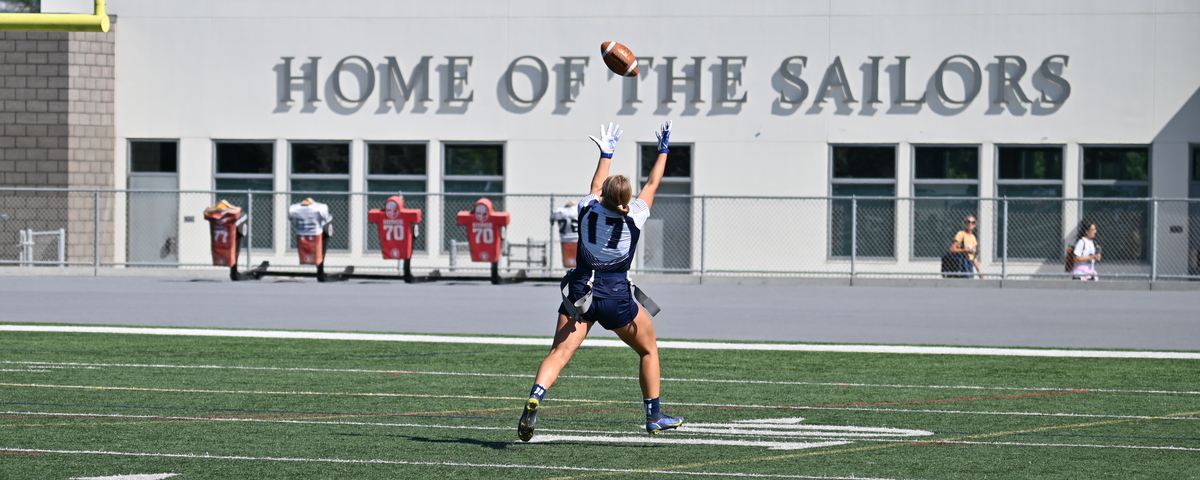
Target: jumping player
(609,226)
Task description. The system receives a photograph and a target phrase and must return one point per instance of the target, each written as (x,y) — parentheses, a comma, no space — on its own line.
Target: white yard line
(1024,352)
(378,461)
(41,364)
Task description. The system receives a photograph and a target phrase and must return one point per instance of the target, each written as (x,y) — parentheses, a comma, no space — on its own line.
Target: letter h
(694,78)
(310,78)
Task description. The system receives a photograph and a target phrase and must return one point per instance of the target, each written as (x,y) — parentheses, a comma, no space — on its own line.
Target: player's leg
(568,335)
(639,335)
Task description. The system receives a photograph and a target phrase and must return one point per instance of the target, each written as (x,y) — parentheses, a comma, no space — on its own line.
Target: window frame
(420,243)
(915,182)
(1084,182)
(1061,182)
(250,176)
(340,224)
(894,182)
(832,180)
(368,176)
(945,181)
(129,157)
(291,165)
(688,180)
(448,177)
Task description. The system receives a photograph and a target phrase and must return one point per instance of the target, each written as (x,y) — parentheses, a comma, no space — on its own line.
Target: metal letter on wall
(730,79)
(694,78)
(286,78)
(568,77)
(1056,79)
(452,79)
(419,76)
(337,82)
(631,83)
(793,78)
(972,89)
(539,90)
(1000,88)
(835,76)
(873,95)
(902,84)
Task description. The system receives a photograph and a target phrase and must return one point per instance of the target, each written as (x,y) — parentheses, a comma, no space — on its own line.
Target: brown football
(619,59)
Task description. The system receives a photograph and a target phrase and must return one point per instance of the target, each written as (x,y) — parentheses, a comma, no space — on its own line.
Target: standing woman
(609,227)
(1086,253)
(967,245)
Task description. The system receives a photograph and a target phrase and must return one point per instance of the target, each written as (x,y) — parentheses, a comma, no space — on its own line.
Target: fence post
(550,243)
(703,230)
(96,232)
(853,236)
(1004,246)
(1154,240)
(249,226)
(62,248)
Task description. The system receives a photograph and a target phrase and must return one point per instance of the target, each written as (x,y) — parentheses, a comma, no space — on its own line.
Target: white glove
(608,139)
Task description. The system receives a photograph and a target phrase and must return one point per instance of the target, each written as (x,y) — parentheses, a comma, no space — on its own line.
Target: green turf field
(88,405)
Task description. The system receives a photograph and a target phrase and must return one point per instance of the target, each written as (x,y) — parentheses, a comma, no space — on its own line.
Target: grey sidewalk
(1027,317)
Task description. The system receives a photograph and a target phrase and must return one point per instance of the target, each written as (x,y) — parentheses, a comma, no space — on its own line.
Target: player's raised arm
(660,165)
(607,143)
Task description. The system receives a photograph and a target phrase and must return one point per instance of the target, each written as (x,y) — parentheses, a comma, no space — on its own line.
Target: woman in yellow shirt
(965,243)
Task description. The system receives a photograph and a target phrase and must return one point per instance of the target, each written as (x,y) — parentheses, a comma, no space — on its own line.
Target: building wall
(58,132)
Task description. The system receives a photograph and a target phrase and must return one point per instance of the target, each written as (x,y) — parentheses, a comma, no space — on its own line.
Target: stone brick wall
(57,131)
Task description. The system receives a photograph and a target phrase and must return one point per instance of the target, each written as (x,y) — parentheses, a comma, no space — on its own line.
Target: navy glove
(664,137)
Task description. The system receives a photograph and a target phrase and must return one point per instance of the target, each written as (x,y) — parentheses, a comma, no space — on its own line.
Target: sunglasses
(969,222)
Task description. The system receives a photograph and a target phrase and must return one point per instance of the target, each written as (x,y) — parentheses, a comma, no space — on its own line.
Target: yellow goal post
(56,22)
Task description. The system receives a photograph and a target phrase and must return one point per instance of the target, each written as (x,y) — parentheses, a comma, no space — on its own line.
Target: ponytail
(616,194)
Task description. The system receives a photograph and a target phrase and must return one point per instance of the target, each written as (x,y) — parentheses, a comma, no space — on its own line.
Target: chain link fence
(1019,238)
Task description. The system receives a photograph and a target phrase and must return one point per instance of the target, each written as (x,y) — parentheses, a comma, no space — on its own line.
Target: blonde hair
(616,193)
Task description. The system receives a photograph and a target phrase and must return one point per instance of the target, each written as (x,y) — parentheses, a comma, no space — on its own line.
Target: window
(147,156)
(319,167)
(1118,172)
(671,223)
(1033,226)
(395,168)
(863,171)
(243,166)
(472,170)
(951,175)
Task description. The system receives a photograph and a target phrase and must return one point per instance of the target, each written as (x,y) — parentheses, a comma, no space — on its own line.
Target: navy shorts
(612,313)
(612,301)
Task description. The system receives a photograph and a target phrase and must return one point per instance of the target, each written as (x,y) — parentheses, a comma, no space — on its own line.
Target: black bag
(954,265)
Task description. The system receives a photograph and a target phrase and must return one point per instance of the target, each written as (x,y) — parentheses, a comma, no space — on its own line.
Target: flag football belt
(579,307)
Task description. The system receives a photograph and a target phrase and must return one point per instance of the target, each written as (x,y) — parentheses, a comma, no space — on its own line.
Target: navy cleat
(528,420)
(663,422)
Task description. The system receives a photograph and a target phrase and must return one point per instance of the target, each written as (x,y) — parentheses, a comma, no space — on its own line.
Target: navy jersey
(608,240)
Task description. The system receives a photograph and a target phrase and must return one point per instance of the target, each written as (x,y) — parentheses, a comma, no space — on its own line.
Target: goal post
(56,22)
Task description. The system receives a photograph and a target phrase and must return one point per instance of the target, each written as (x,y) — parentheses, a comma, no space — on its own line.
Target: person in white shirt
(610,222)
(1086,253)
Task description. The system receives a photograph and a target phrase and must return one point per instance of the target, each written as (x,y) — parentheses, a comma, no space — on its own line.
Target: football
(619,59)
